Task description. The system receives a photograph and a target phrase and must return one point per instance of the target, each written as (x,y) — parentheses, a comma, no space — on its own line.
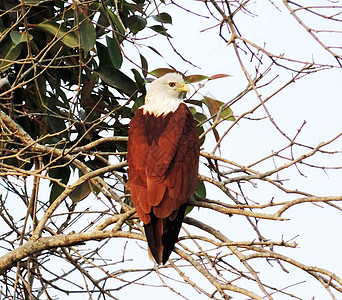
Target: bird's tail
(162,234)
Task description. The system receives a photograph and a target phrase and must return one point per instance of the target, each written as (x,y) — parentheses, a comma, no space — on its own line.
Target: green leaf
(200,117)
(138,102)
(102,53)
(140,82)
(155,50)
(162,71)
(195,78)
(201,191)
(25,162)
(200,130)
(55,119)
(87,32)
(61,32)
(62,173)
(217,136)
(192,109)
(103,21)
(163,18)
(227,113)
(117,79)
(124,112)
(81,192)
(18,37)
(136,23)
(56,190)
(32,2)
(214,107)
(9,52)
(41,81)
(114,52)
(144,65)
(189,208)
(160,29)
(116,21)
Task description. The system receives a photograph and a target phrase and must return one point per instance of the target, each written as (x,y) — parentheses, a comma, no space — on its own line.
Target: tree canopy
(72,75)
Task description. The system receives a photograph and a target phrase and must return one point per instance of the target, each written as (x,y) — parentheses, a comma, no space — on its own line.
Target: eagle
(163,157)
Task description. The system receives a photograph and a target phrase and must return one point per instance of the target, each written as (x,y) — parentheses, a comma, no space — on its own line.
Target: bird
(163,158)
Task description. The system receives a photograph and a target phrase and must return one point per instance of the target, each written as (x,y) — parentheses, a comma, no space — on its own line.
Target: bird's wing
(137,149)
(179,182)
(180,177)
(162,171)
(163,157)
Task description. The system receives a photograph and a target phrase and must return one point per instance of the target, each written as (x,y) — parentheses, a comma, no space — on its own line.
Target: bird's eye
(172,84)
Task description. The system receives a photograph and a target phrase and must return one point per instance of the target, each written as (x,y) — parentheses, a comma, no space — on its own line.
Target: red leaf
(217,76)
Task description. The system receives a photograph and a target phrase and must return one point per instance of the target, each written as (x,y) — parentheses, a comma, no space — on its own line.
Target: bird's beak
(183,89)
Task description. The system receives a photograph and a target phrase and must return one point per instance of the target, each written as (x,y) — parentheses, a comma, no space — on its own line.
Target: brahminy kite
(163,157)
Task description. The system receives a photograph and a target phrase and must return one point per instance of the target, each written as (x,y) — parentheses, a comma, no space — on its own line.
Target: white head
(165,94)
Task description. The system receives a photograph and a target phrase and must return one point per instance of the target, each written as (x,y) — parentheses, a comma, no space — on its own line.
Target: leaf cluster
(66,81)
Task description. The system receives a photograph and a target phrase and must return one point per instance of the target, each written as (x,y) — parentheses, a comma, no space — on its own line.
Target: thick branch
(44,243)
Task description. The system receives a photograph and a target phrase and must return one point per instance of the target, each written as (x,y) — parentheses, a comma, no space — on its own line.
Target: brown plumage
(163,155)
